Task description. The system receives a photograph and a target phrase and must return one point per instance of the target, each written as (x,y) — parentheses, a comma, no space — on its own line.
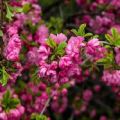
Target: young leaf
(88,34)
(38,117)
(50,42)
(109,38)
(6,96)
(81,30)
(8,102)
(60,49)
(9,14)
(1,33)
(61,46)
(4,76)
(18,9)
(14,102)
(114,33)
(74,31)
(26,7)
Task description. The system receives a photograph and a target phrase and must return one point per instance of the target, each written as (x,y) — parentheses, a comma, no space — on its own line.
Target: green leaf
(61,46)
(50,42)
(18,9)
(114,33)
(81,30)
(38,117)
(75,31)
(8,102)
(4,77)
(1,33)
(109,38)
(88,35)
(26,7)
(9,14)
(114,39)
(6,99)
(55,25)
(52,57)
(95,36)
(108,61)
(14,102)
(60,49)
(67,85)
(6,96)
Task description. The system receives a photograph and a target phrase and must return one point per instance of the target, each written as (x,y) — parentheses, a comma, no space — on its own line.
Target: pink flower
(52,75)
(116,3)
(32,55)
(103,118)
(12,30)
(13,48)
(87,95)
(73,47)
(21,110)
(111,77)
(41,34)
(64,80)
(54,65)
(81,2)
(74,70)
(43,71)
(93,113)
(117,56)
(58,38)
(40,102)
(43,52)
(14,114)
(94,50)
(94,42)
(3,116)
(65,62)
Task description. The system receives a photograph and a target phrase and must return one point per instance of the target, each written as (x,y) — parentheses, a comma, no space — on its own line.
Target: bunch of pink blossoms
(112,79)
(65,68)
(56,59)
(100,15)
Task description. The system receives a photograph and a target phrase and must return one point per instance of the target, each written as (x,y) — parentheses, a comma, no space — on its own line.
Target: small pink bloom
(43,52)
(3,116)
(87,95)
(58,38)
(65,61)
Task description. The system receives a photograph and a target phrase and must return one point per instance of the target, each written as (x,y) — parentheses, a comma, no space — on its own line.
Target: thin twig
(71,117)
(46,105)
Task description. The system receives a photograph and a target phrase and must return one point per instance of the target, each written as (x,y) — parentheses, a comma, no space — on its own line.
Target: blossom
(43,52)
(32,55)
(64,62)
(117,56)
(58,38)
(3,116)
(111,77)
(73,46)
(12,30)
(87,95)
(41,101)
(13,48)
(41,34)
(94,50)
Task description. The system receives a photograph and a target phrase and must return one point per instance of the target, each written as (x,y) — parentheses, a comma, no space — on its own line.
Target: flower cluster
(56,70)
(100,15)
